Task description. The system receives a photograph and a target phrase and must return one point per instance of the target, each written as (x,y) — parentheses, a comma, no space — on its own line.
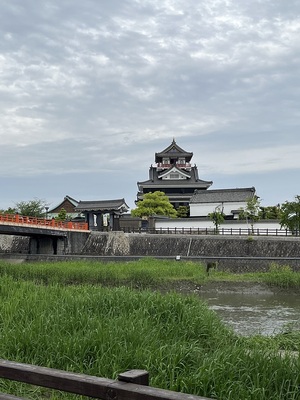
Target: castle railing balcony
(183,165)
(161,166)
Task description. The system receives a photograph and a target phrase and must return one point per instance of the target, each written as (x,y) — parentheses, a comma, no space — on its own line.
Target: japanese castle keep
(174,175)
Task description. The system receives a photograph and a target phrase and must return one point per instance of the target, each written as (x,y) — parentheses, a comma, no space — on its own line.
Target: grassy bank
(143,273)
(104,331)
(62,315)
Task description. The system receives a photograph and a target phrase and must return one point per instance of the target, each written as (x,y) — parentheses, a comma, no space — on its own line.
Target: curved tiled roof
(223,195)
(172,150)
(103,205)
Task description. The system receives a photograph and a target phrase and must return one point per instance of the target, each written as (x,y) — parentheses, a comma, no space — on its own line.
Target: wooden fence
(131,385)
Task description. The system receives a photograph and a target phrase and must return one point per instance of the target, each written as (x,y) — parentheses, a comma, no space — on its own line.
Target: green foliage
(32,208)
(154,203)
(146,271)
(290,215)
(270,212)
(252,211)
(62,215)
(217,217)
(183,212)
(282,276)
(9,210)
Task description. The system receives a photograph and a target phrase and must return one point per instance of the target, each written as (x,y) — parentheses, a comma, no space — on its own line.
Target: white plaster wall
(202,210)
(227,226)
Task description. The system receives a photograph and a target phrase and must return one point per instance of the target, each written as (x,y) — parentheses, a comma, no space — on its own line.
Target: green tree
(62,215)
(9,210)
(251,212)
(154,203)
(32,208)
(290,215)
(183,212)
(270,212)
(217,217)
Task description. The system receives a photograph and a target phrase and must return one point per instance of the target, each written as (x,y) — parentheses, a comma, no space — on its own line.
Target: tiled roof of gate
(222,195)
(102,205)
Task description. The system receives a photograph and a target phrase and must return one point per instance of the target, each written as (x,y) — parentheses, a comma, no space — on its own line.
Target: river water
(255,310)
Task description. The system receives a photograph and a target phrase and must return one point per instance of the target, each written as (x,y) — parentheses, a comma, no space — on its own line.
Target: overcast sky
(90,90)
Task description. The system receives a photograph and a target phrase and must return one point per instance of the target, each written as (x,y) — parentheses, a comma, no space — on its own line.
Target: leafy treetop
(154,203)
(270,212)
(183,212)
(252,210)
(217,217)
(290,215)
(31,208)
(62,215)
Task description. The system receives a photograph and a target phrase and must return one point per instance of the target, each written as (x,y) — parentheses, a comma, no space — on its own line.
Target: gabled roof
(172,169)
(103,205)
(223,195)
(61,204)
(173,150)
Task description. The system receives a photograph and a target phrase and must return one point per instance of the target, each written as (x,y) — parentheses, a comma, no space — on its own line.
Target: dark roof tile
(103,205)
(222,195)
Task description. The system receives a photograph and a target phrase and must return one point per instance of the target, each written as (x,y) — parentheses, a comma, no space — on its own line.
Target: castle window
(174,175)
(166,161)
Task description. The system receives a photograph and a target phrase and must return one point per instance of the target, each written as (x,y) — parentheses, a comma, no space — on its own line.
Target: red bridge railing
(17,219)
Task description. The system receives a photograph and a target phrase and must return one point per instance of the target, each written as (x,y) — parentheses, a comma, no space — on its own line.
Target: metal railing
(211,231)
(16,219)
(130,385)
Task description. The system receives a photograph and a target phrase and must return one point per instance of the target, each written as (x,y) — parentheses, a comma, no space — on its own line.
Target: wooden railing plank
(138,376)
(55,379)
(86,385)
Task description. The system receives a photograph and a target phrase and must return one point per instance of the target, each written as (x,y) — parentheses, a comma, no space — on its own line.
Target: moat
(252,309)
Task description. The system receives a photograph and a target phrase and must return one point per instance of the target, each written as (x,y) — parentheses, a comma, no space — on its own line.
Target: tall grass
(282,276)
(144,273)
(104,331)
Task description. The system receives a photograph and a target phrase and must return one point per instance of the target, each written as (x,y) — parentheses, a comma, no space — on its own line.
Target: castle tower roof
(173,151)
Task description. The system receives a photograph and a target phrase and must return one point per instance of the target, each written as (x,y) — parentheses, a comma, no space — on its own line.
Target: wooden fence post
(137,376)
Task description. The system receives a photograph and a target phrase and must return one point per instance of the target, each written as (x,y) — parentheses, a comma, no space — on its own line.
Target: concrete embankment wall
(257,252)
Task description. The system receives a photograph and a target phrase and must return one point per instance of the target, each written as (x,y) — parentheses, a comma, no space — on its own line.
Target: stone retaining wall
(123,244)
(238,254)
(226,250)
(14,244)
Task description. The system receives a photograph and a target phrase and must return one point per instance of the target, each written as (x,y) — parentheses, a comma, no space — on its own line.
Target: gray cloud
(98,87)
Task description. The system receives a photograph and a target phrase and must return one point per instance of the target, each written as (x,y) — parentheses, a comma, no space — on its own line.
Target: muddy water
(255,310)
